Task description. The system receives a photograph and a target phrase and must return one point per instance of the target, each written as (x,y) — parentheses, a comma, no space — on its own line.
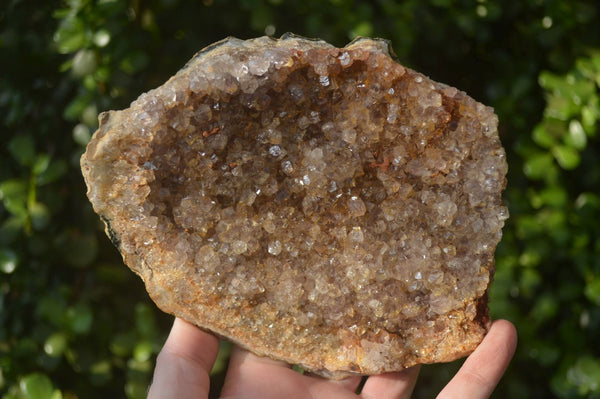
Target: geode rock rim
(122,171)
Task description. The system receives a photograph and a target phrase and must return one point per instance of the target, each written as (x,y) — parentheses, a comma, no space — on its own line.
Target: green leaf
(36,386)
(80,318)
(62,13)
(101,38)
(530,280)
(89,116)
(101,372)
(560,107)
(13,188)
(139,367)
(595,60)
(552,82)
(592,291)
(567,157)
(552,219)
(65,66)
(76,107)
(537,165)
(89,82)
(585,66)
(136,389)
(81,134)
(143,351)
(528,226)
(576,137)
(22,148)
(585,375)
(8,260)
(55,170)
(40,164)
(10,229)
(588,199)
(364,29)
(39,214)
(71,35)
(530,258)
(16,206)
(545,308)
(144,321)
(84,63)
(589,115)
(555,196)
(103,74)
(541,135)
(55,344)
(220,364)
(52,308)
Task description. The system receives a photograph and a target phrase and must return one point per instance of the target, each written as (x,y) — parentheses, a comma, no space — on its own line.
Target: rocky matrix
(322,206)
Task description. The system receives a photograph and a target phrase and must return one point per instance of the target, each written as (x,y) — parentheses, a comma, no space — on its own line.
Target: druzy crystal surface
(319,205)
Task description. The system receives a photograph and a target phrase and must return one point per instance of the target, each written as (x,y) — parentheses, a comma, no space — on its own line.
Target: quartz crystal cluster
(319,205)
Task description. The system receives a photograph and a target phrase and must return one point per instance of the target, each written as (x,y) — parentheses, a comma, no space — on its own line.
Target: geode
(323,206)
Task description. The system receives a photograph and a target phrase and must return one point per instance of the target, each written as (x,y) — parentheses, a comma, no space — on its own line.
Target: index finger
(184,363)
(483,369)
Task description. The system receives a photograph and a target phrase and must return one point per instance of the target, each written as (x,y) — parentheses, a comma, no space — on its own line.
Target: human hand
(183,368)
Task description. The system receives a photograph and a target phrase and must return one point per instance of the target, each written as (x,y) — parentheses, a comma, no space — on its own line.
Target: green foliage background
(75,323)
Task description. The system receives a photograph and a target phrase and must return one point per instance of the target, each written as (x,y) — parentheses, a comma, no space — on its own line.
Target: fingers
(397,385)
(483,369)
(251,376)
(184,363)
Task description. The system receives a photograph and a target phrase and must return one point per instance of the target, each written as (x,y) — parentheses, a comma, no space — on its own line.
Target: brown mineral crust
(323,206)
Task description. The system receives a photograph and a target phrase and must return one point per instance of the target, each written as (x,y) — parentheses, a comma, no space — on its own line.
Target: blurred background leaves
(75,323)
